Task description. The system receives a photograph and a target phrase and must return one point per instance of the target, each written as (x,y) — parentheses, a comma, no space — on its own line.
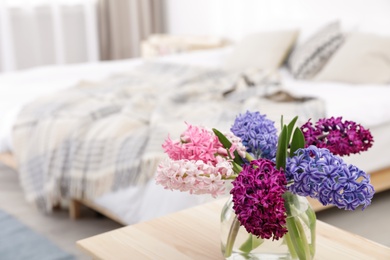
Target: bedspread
(102,136)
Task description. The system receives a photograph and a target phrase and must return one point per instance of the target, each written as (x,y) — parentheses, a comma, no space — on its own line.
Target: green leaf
(237,158)
(227,144)
(281,153)
(251,243)
(223,139)
(298,141)
(290,128)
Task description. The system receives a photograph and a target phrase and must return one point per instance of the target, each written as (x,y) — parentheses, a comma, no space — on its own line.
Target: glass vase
(298,243)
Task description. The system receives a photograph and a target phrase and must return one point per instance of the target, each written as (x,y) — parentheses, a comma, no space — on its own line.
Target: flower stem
(236,168)
(249,157)
(312,220)
(296,232)
(298,238)
(290,246)
(232,237)
(251,243)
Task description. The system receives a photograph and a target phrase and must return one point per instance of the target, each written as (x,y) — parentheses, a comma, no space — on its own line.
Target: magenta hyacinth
(257,196)
(341,138)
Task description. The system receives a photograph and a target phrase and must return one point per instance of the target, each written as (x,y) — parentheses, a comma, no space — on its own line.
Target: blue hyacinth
(317,173)
(257,133)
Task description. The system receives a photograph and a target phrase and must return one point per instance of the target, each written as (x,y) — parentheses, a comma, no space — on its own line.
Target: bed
(130,203)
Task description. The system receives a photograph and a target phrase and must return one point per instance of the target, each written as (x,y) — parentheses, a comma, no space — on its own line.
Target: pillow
(265,50)
(307,59)
(363,59)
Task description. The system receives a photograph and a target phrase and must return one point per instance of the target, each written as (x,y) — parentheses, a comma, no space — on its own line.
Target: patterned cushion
(364,58)
(308,59)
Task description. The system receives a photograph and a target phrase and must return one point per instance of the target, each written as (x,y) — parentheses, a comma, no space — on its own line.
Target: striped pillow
(309,58)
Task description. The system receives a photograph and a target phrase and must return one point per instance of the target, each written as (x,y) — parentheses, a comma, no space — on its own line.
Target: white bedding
(138,204)
(367,104)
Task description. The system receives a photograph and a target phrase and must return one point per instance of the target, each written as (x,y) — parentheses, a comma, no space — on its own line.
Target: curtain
(36,33)
(123,24)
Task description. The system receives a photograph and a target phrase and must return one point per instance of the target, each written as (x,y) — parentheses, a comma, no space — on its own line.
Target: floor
(57,226)
(372,223)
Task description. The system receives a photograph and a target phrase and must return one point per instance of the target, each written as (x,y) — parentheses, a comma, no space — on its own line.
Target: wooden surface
(194,234)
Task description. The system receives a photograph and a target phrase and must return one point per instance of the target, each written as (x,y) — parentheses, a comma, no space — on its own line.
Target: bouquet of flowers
(266,170)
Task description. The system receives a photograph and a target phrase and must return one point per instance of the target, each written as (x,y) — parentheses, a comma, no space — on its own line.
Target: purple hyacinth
(257,197)
(257,133)
(317,173)
(341,138)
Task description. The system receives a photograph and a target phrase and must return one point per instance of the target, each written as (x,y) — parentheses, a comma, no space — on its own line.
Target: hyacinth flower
(195,177)
(340,137)
(199,163)
(318,173)
(258,204)
(259,196)
(258,134)
(268,172)
(323,176)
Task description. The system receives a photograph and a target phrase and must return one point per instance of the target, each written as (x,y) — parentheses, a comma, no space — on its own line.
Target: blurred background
(47,45)
(43,32)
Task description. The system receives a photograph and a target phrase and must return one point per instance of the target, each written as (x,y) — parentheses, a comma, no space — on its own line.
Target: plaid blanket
(102,136)
(99,137)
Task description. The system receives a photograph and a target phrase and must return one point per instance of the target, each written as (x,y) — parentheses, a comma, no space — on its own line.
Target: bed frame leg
(74,209)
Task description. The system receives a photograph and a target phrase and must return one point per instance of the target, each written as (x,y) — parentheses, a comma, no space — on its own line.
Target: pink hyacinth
(197,143)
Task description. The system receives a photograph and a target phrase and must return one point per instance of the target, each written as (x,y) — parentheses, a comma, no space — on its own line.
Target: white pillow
(308,58)
(363,59)
(265,50)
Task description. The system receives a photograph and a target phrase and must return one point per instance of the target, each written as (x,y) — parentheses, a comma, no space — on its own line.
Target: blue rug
(19,242)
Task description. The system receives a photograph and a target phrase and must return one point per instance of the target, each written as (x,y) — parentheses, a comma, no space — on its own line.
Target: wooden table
(194,234)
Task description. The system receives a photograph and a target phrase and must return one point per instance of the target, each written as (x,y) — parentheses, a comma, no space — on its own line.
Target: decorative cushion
(363,59)
(307,59)
(265,50)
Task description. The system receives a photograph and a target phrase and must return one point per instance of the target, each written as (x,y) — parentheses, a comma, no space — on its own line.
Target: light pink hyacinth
(196,177)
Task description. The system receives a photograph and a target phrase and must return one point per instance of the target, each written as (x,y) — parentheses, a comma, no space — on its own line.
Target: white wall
(235,18)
